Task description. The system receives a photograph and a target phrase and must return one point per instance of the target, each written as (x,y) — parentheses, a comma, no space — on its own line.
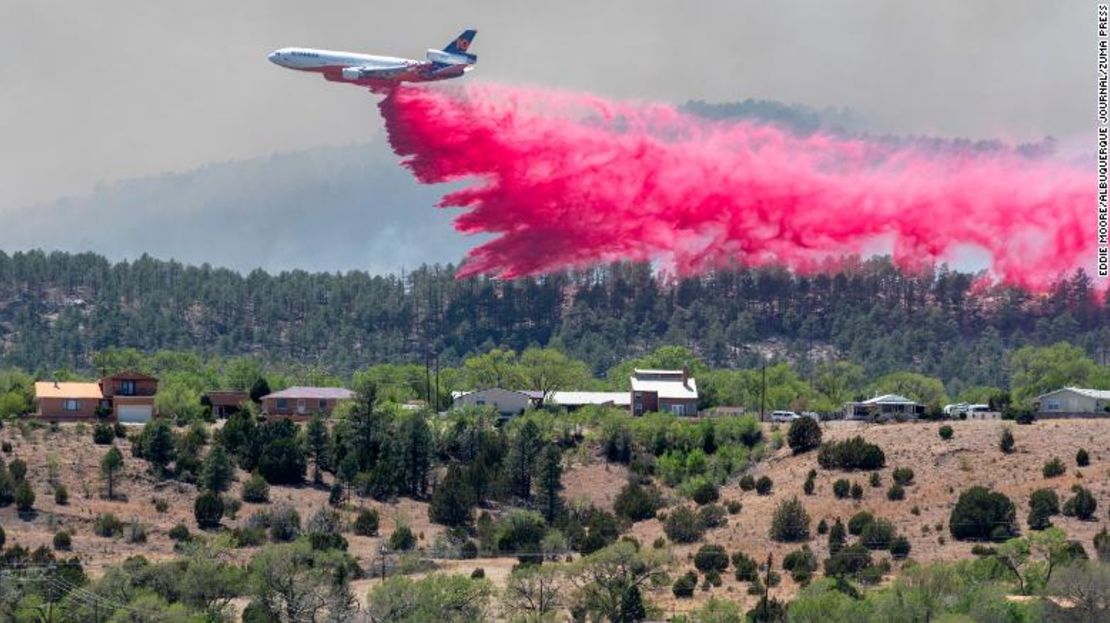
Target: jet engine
(351,73)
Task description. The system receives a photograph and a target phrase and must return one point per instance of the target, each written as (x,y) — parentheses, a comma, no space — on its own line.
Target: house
(664,391)
(882,408)
(304,402)
(1073,402)
(505,401)
(127,397)
(67,401)
(224,403)
(572,401)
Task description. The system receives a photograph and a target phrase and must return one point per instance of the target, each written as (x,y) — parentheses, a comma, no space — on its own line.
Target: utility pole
(763,397)
(767,585)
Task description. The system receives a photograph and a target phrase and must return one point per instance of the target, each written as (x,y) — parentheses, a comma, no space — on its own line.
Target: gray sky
(97,91)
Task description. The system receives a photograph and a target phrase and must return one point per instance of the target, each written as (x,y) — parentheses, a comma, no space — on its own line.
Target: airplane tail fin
(461,44)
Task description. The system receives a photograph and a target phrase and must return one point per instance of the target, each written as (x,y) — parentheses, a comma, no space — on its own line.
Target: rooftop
(570,399)
(887,399)
(665,383)
(313,393)
(1097,394)
(50,389)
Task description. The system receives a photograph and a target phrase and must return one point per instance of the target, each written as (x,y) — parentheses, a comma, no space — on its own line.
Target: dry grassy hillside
(942,468)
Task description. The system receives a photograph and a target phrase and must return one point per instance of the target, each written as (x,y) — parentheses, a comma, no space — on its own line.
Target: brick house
(125,396)
(664,391)
(304,402)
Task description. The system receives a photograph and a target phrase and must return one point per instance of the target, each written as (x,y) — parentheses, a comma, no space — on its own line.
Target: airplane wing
(374,73)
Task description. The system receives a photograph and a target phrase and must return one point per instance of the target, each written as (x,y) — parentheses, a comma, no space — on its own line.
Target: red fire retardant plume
(569,180)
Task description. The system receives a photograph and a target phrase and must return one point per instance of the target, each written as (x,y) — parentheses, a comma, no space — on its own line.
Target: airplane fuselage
(367,70)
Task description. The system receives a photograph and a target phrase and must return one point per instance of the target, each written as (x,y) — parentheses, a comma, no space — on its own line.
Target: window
(300,406)
(678,410)
(72,405)
(282,404)
(127,388)
(323,405)
(1052,405)
(480,401)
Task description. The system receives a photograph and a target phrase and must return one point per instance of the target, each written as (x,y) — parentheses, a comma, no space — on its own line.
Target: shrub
(903,476)
(161,505)
(683,525)
(837,537)
(18,470)
(841,488)
(366,524)
(103,434)
(854,453)
(945,432)
(683,587)
(208,510)
(1053,468)
(850,560)
(1102,545)
(875,480)
(878,534)
(763,485)
(733,506)
(637,502)
(857,491)
(179,532)
(808,486)
(705,492)
(402,539)
(712,516)
(335,494)
(256,490)
(896,492)
(1082,505)
(107,525)
(284,523)
(24,497)
(790,522)
(983,550)
(804,435)
(135,532)
(659,543)
(478,573)
(899,547)
(801,563)
(63,541)
(1043,504)
(120,430)
(858,522)
(711,558)
(747,482)
(1006,441)
(6,447)
(745,567)
(249,536)
(61,495)
(982,514)
(822,527)
(1082,459)
(468,550)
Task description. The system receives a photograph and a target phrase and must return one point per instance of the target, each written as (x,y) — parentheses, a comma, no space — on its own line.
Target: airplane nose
(274,56)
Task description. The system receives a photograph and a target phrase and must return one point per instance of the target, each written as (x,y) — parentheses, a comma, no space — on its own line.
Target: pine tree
(521,462)
(838,536)
(217,470)
(158,445)
(316,440)
(111,464)
(452,501)
(549,482)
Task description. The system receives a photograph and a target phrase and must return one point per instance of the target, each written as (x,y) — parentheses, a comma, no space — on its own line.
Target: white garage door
(134,413)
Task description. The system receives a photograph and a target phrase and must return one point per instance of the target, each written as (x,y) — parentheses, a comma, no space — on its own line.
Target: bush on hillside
(683,525)
(903,476)
(841,488)
(705,493)
(745,567)
(683,587)
(711,558)
(851,454)
(637,502)
(1082,505)
(945,432)
(1082,459)
(899,548)
(790,522)
(896,493)
(763,485)
(1006,441)
(366,524)
(877,535)
(1053,468)
(1043,504)
(982,514)
(712,516)
(208,510)
(857,491)
(858,522)
(747,482)
(804,435)
(256,490)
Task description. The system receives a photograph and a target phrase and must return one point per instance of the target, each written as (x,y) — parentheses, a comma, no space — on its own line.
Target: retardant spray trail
(569,180)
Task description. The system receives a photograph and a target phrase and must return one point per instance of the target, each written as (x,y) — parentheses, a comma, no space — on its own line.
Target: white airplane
(381,73)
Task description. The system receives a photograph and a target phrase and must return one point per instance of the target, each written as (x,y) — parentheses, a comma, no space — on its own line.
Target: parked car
(784,416)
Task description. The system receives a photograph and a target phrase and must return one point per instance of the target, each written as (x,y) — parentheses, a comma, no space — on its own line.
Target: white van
(784,416)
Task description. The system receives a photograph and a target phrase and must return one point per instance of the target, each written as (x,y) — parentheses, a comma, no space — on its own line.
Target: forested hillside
(57,309)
